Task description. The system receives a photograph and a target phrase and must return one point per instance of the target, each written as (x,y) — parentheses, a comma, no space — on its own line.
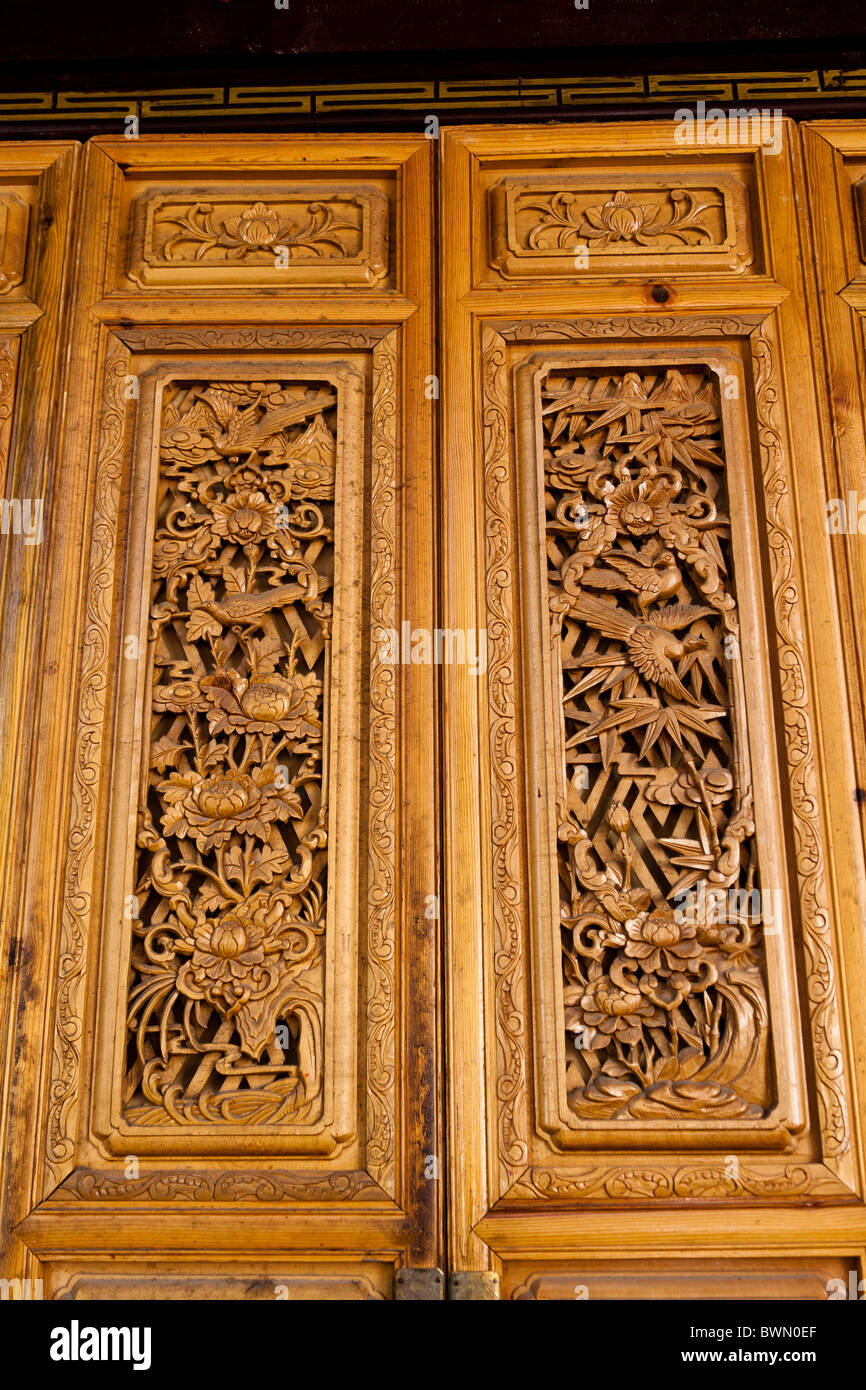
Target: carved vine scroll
(664,991)
(8,361)
(227,978)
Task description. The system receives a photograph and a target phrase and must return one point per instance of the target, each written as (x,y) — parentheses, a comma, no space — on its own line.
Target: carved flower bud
(618,817)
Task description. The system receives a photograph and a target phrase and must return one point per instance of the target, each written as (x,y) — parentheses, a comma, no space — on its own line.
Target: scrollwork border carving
(381,990)
(77,882)
(833,1121)
(505,798)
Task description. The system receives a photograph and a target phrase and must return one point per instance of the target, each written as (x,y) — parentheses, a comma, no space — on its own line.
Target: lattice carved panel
(656,871)
(664,996)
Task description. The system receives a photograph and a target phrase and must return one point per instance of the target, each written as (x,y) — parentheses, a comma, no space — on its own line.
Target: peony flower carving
(212,808)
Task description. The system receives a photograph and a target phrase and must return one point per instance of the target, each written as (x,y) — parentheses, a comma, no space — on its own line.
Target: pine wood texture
(631,424)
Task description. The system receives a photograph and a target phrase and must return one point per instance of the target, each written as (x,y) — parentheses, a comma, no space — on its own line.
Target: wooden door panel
(243,1040)
(664,910)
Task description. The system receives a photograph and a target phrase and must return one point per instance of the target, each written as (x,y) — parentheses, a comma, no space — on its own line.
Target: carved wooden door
(652,952)
(230,812)
(252,654)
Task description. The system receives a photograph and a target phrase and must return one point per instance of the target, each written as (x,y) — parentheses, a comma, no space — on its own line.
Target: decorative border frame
(506,94)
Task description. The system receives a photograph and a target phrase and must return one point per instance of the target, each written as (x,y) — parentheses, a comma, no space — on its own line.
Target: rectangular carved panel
(665,1279)
(231,875)
(620,222)
(289,235)
(251,729)
(659,890)
(646,853)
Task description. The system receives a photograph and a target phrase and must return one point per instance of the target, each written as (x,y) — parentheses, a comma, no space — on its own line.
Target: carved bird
(652,583)
(243,432)
(247,610)
(652,646)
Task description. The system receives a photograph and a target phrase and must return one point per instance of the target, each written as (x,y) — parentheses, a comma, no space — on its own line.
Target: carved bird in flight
(243,432)
(652,646)
(652,583)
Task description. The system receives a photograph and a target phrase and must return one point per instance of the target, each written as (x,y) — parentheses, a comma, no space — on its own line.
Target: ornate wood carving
(747,1182)
(223,917)
(14,217)
(499,529)
(539,225)
(213,524)
(226,999)
(8,360)
(382,790)
(665,1001)
(659,326)
(78,873)
(671,215)
(241,338)
(291,235)
(235,1186)
(691,1181)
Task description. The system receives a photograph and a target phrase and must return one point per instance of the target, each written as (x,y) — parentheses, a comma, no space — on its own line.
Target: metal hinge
(424,1285)
(475,1286)
(428,1285)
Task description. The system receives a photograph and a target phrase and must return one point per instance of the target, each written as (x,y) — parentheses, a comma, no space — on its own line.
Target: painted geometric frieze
(658,875)
(544,227)
(300,235)
(225,1003)
(14,217)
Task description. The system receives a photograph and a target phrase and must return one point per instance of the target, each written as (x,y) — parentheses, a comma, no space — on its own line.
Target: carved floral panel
(227,1016)
(663,898)
(231,875)
(540,226)
(663,985)
(301,235)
